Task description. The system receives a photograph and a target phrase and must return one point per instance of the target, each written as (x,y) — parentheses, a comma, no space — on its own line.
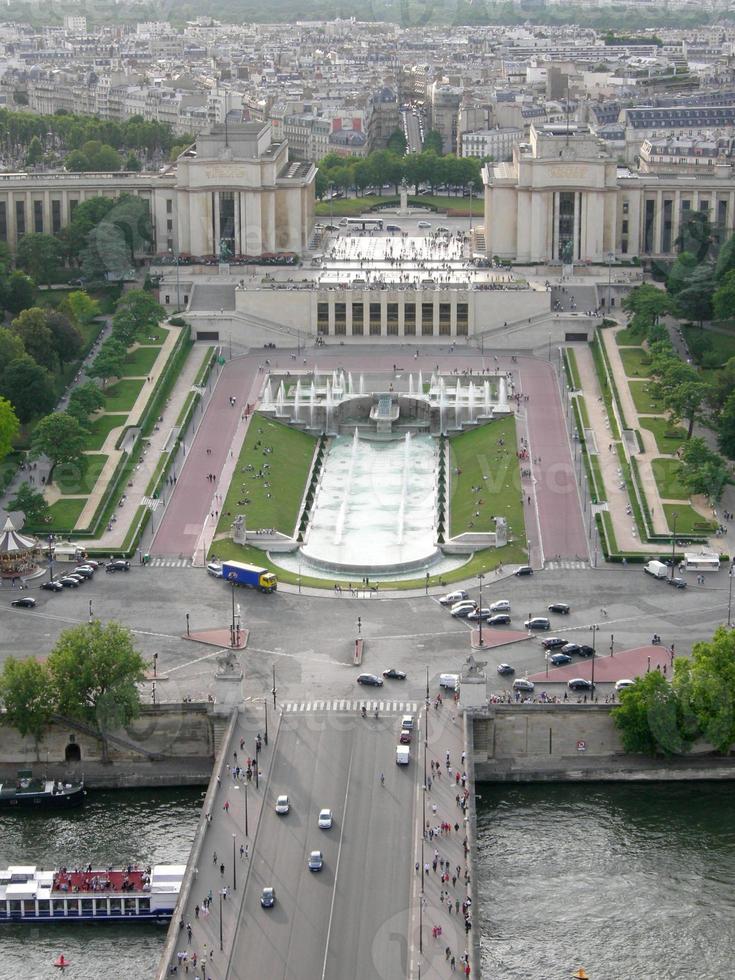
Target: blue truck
(251,575)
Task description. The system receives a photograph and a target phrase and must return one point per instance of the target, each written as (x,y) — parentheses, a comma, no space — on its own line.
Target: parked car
(86,571)
(559,659)
(316,861)
(24,602)
(585,650)
(538,623)
(477,614)
(453,597)
(571,649)
(623,683)
(523,684)
(394,675)
(370,680)
(579,684)
(500,605)
(118,565)
(553,642)
(68,582)
(462,609)
(505,669)
(53,586)
(500,619)
(524,570)
(559,607)
(79,579)
(678,583)
(268,897)
(325,819)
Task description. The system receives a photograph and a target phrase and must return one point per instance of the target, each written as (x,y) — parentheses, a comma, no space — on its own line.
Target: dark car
(69,582)
(559,659)
(499,619)
(118,565)
(524,570)
(579,684)
(394,675)
(553,642)
(316,861)
(585,650)
(268,898)
(86,571)
(505,669)
(53,586)
(371,680)
(538,623)
(24,602)
(678,583)
(79,579)
(571,649)
(559,607)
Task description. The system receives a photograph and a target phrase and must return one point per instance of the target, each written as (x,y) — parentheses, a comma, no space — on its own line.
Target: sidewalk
(440,928)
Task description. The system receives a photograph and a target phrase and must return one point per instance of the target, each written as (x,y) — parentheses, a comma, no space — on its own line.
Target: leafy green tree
(87,216)
(703,470)
(76,162)
(680,272)
(132,163)
(9,426)
(27,695)
(721,386)
(723,301)
(11,346)
(67,340)
(60,437)
(686,400)
(32,503)
(41,256)
(110,361)
(726,425)
(649,718)
(105,159)
(433,141)
(694,301)
(648,301)
(696,235)
(80,306)
(707,682)
(85,400)
(35,153)
(31,327)
(112,244)
(95,670)
(136,310)
(19,293)
(397,142)
(28,387)
(725,259)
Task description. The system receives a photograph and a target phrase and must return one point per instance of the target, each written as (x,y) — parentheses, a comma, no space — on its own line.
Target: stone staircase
(219,730)
(477,241)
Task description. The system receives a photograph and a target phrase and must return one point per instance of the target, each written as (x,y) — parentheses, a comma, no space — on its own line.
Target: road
(329,924)
(412,132)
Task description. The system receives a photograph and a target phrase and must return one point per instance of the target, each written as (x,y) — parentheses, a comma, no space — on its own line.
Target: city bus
(365,223)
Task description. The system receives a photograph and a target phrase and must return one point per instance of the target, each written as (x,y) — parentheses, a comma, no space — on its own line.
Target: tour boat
(30,894)
(25,792)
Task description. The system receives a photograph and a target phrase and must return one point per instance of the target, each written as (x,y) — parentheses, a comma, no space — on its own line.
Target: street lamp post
(594,629)
(472,187)
(188,631)
(274,688)
(232,624)
(90,611)
(155,664)
(674,518)
(265,733)
(234,865)
(480,578)
(610,258)
(220,921)
(729,596)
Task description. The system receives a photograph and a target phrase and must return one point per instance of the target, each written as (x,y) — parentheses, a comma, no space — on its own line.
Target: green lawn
(643,402)
(624,338)
(688,521)
(492,467)
(666,474)
(100,428)
(636,362)
(65,513)
(351,207)
(79,478)
(668,436)
(278,505)
(722,344)
(140,361)
(573,369)
(121,396)
(153,336)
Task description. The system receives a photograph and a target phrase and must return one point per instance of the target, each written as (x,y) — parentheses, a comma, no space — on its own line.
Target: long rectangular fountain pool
(376,505)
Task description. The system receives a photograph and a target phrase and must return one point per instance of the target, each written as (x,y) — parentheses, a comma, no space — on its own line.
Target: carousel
(19,553)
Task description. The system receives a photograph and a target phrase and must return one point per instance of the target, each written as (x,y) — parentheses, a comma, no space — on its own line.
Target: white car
(463,608)
(501,605)
(453,597)
(215,568)
(282,804)
(424,224)
(325,819)
(623,683)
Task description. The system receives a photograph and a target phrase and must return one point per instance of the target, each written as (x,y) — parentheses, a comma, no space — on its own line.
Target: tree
(9,426)
(86,216)
(397,142)
(85,400)
(680,272)
(694,301)
(67,340)
(696,234)
(703,470)
(433,141)
(41,256)
(721,386)
(35,152)
(60,437)
(725,260)
(31,503)
(723,301)
(706,681)
(648,301)
(31,327)
(726,425)
(80,306)
(105,159)
(77,162)
(112,244)
(686,400)
(28,387)
(19,293)
(27,695)
(95,669)
(132,163)
(136,309)
(11,346)
(649,719)
(110,361)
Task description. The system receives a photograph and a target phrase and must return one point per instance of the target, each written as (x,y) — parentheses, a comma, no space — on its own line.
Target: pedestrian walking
(222,870)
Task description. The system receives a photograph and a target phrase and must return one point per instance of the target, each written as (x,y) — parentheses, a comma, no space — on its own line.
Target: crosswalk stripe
(300,707)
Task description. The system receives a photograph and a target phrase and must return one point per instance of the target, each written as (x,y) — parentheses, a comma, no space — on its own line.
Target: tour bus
(365,223)
(703,561)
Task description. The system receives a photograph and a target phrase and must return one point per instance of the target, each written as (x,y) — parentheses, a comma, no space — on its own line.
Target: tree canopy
(60,437)
(9,426)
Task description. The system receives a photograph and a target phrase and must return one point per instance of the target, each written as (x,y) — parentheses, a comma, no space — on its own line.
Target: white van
(403,755)
(656,568)
(449,681)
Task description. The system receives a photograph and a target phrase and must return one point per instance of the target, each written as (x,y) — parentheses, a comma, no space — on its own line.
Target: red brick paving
(495,638)
(626,664)
(218,637)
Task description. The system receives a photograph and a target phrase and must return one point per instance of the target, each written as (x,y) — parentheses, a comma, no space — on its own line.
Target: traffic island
(495,638)
(221,636)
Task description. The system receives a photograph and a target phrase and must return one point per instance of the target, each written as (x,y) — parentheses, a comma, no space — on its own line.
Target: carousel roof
(13,543)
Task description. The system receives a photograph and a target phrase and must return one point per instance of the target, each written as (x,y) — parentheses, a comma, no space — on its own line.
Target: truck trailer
(252,576)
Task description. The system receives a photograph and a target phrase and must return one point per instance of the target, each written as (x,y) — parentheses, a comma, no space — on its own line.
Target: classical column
(657,225)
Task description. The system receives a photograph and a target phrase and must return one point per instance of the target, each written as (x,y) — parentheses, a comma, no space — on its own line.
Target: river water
(111,829)
(626,881)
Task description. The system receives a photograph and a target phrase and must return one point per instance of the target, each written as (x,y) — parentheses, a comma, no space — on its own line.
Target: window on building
(648,222)
(462,316)
(427,319)
(357,316)
(72,208)
(169,206)
(169,225)
(445,319)
(625,228)
(20,218)
(3,222)
(340,327)
(38,217)
(56,217)
(226,221)
(322,317)
(626,207)
(668,210)
(722,215)
(624,246)
(170,244)
(566,223)
(704,204)
(340,317)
